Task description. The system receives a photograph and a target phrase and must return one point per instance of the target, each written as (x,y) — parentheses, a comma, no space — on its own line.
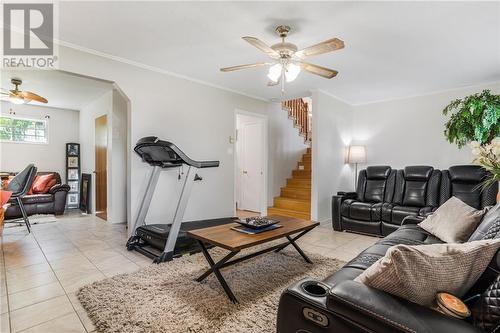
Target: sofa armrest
(336,204)
(382,312)
(412,220)
(59,187)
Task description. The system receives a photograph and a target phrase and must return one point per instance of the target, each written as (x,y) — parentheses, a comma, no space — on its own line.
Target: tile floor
(40,272)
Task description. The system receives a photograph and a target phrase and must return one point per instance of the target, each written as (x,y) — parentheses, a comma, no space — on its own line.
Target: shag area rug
(165,298)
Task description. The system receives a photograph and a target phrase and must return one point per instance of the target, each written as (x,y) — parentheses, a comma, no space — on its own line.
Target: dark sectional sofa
(385,196)
(337,304)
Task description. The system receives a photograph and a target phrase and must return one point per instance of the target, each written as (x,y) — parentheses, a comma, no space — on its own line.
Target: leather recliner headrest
(467,173)
(378,172)
(418,172)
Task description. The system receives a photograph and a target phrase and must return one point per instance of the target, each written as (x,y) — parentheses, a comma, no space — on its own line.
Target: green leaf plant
(473,118)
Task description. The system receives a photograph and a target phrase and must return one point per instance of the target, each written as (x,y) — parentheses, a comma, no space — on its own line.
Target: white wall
(410,131)
(63,128)
(198,118)
(117,206)
(286,147)
(331,128)
(99,107)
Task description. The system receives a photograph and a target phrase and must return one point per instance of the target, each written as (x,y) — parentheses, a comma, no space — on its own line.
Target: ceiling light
(16,99)
(292,71)
(275,72)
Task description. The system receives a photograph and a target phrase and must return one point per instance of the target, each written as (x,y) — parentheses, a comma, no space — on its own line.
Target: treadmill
(163,242)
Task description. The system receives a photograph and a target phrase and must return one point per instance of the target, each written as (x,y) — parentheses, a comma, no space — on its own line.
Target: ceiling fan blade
(235,68)
(262,46)
(4,93)
(318,70)
(32,96)
(320,48)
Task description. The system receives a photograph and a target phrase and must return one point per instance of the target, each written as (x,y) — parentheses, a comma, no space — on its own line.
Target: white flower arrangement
(488,156)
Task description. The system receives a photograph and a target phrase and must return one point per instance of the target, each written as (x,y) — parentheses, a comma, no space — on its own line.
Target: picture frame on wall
(72,174)
(73,149)
(85,193)
(72,199)
(73,162)
(73,186)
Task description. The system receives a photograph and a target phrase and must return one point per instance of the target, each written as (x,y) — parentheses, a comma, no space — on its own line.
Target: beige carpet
(165,298)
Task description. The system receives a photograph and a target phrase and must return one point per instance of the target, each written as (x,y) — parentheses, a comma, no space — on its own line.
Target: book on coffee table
(252,231)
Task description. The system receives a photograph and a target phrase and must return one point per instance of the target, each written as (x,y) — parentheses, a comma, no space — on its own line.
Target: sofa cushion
(41,184)
(38,198)
(453,222)
(490,225)
(452,268)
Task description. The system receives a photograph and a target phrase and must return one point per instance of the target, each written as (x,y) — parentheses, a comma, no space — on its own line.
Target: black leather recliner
(416,194)
(361,211)
(464,182)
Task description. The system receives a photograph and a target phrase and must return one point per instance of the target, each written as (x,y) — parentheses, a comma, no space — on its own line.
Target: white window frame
(44,120)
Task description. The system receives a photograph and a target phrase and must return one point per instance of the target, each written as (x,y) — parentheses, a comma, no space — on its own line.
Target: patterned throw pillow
(452,268)
(486,310)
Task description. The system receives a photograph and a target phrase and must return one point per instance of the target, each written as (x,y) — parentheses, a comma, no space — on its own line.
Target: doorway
(101,167)
(251,164)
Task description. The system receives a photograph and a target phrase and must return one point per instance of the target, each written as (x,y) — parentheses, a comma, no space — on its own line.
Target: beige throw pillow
(418,272)
(453,222)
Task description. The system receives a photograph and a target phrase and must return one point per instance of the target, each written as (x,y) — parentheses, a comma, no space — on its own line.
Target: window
(13,129)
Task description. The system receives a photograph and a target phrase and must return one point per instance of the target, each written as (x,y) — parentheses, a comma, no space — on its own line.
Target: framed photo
(72,174)
(73,149)
(72,162)
(73,186)
(72,199)
(85,193)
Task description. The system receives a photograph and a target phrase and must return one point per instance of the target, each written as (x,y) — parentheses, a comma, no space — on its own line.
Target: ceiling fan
(288,60)
(17,96)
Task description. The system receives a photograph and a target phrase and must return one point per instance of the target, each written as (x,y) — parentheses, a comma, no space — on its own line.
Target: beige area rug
(165,298)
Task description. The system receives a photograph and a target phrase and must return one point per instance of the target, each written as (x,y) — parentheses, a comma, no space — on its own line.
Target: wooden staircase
(295,197)
(298,110)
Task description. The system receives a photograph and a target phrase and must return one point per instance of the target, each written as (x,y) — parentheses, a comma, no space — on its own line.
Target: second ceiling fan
(288,60)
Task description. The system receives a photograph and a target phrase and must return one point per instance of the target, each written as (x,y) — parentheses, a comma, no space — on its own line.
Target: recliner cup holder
(315,288)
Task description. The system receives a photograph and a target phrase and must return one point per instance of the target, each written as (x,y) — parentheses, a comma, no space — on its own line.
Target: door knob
(245,172)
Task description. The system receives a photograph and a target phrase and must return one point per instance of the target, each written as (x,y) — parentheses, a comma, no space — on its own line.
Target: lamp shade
(356,154)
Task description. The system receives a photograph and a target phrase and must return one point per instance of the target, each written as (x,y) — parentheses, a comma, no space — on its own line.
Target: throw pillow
(486,310)
(453,222)
(51,183)
(40,184)
(30,192)
(418,272)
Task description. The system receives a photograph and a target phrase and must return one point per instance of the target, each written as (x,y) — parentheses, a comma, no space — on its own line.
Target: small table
(223,236)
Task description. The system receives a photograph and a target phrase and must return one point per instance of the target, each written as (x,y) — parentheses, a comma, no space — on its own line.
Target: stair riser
(302,183)
(274,211)
(291,204)
(302,174)
(296,193)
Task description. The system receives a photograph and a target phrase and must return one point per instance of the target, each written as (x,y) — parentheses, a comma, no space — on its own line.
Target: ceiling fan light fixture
(292,71)
(16,99)
(274,73)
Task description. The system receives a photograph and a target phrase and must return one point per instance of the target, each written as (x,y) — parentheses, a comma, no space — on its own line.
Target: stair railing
(298,110)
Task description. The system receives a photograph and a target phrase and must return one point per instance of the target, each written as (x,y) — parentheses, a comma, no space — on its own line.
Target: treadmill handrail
(172,161)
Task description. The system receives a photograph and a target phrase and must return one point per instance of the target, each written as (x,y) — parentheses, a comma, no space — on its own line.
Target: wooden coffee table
(223,236)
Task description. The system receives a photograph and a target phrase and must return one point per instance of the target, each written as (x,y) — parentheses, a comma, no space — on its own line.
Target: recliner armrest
(383,312)
(412,220)
(59,187)
(336,204)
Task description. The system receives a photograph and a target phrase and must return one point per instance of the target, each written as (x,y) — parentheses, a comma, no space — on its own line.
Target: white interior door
(251,168)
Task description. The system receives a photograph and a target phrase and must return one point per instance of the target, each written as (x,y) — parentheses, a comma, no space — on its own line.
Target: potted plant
(473,118)
(488,156)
